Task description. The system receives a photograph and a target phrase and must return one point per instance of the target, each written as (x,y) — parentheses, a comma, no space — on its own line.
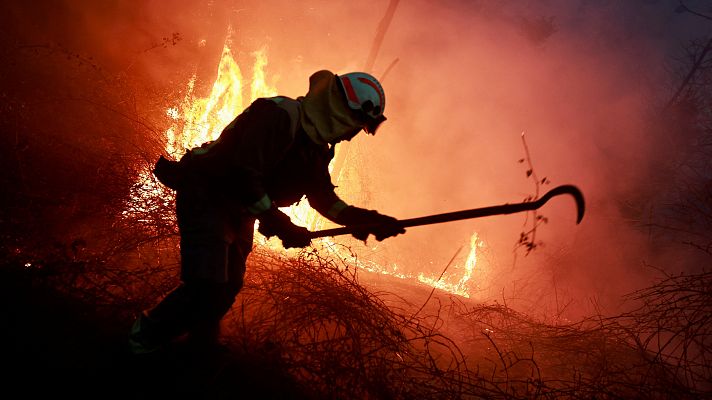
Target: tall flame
(203,119)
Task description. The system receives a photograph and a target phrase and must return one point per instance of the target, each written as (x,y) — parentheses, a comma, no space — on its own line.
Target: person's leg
(190,306)
(161,324)
(218,296)
(205,240)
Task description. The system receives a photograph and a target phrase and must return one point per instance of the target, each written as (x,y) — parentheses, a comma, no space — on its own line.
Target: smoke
(579,78)
(472,78)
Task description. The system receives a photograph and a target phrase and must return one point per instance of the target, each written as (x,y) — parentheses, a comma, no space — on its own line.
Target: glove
(370,222)
(275,222)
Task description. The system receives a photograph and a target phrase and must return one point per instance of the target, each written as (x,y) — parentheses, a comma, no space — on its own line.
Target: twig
(439,278)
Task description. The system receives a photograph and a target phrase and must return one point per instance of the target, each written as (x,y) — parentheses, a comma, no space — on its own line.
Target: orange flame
(462,286)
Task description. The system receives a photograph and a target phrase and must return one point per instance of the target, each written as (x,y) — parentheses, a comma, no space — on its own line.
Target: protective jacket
(264,156)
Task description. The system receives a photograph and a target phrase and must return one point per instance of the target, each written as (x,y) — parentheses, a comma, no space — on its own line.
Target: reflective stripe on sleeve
(260,206)
(336,209)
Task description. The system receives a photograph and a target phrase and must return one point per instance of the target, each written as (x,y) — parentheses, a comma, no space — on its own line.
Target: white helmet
(364,94)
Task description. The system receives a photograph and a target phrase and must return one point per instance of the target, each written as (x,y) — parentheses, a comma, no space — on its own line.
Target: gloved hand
(275,222)
(372,222)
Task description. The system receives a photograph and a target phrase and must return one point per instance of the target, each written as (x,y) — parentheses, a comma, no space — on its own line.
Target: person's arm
(259,139)
(325,201)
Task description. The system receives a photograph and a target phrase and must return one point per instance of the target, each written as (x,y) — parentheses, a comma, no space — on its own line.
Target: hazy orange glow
(463,79)
(198,120)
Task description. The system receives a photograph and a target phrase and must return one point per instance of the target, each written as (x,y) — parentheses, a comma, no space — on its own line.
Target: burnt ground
(57,347)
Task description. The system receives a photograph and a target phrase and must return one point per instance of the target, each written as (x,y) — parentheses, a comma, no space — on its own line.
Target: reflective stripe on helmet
(360,89)
(378,90)
(350,92)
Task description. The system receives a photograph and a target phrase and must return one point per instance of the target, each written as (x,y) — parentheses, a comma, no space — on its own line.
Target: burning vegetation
(93,240)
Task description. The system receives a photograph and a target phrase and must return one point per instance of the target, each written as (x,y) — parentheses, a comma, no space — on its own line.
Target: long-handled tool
(474,213)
